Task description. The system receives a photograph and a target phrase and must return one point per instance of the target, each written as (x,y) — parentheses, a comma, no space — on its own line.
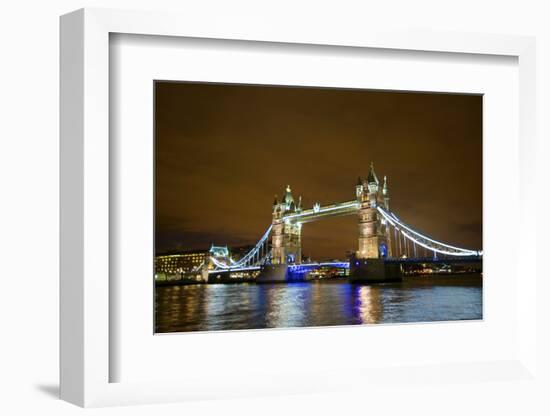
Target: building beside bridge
(190,264)
(182,262)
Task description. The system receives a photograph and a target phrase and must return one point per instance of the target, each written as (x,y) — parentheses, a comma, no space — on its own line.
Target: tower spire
(372,178)
(289,200)
(359,188)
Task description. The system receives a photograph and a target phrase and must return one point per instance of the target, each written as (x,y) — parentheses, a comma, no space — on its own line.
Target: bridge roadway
(388,269)
(346,265)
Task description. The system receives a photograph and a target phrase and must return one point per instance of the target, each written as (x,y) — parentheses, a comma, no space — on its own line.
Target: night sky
(224,151)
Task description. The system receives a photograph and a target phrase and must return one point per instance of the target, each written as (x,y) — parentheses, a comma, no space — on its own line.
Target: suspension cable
(424,241)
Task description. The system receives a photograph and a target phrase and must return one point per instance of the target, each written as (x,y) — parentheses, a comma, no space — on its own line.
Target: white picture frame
(85,211)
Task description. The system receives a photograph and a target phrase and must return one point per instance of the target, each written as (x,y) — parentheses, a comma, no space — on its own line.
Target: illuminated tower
(373,241)
(277,249)
(286,240)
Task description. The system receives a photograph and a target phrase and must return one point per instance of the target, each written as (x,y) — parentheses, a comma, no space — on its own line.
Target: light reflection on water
(252,306)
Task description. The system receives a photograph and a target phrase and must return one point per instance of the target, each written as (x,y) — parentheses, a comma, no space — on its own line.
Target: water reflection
(250,306)
(368,304)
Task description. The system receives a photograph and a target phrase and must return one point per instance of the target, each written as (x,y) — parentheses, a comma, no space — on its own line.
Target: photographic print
(284,207)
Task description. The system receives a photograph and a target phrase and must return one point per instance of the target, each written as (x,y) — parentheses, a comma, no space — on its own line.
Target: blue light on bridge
(298,272)
(383,250)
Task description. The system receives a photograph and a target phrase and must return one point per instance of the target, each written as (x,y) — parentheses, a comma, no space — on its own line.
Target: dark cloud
(223,151)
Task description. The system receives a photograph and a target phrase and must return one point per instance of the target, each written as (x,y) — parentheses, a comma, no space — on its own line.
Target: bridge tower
(277,234)
(286,240)
(369,263)
(373,232)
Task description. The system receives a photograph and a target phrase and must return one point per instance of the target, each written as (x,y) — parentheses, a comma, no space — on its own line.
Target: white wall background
(29,200)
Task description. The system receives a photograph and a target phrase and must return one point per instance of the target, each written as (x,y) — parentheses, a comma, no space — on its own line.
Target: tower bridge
(384,240)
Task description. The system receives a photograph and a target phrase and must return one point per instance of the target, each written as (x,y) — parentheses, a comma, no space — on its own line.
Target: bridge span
(385,242)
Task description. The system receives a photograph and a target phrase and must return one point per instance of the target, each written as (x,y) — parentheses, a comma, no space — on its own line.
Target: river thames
(216,307)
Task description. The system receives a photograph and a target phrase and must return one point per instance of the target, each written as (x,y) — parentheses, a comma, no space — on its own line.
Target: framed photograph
(229,255)
(334,202)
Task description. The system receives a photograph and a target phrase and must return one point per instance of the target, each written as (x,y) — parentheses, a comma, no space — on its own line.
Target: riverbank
(440,279)
(446,279)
